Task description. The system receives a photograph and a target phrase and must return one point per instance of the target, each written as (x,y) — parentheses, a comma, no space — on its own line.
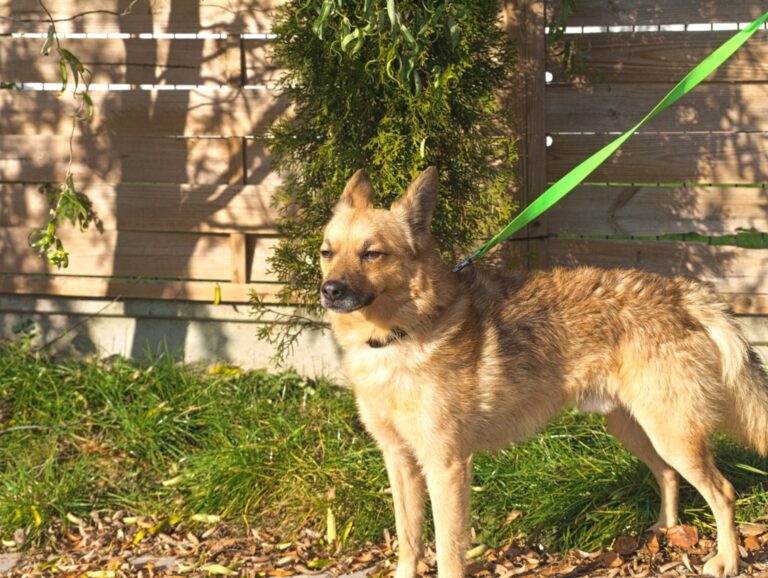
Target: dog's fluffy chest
(395,393)
(396,368)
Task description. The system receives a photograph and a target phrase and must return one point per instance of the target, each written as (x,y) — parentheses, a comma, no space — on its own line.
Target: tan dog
(445,364)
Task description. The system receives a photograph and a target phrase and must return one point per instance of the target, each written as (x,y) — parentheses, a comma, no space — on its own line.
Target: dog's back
(602,338)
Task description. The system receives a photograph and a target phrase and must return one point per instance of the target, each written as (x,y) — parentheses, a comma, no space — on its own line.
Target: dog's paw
(721,566)
(405,571)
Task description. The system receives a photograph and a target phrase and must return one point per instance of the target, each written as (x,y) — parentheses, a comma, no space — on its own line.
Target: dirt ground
(122,546)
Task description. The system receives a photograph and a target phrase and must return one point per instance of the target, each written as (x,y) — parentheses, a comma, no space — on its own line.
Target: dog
(445,364)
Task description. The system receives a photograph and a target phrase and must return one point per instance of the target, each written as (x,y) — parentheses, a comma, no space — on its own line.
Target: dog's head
(369,256)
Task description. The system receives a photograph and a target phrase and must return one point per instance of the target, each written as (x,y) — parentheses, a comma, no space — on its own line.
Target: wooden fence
(181,178)
(174,160)
(700,167)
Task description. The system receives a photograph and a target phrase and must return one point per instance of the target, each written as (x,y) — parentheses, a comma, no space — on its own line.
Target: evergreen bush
(393,88)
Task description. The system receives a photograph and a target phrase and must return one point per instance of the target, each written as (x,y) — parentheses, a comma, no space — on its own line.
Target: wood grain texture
(729,269)
(667,158)
(258,162)
(53,285)
(185,16)
(217,112)
(749,304)
(156,207)
(260,64)
(134,254)
(649,12)
(238,257)
(661,57)
(637,210)
(122,159)
(131,61)
(524,23)
(617,107)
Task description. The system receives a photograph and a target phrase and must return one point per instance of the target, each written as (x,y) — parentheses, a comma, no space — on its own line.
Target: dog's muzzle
(341,298)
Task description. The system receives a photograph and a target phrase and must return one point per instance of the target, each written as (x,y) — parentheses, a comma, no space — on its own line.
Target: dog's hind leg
(682,442)
(623,426)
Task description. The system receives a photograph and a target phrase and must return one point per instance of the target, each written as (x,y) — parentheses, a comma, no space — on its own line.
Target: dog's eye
(326,254)
(371,255)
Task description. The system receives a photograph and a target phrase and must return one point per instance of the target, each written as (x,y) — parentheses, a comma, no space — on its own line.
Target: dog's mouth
(346,303)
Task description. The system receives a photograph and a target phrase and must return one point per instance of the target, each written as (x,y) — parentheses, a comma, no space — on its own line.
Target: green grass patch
(165,439)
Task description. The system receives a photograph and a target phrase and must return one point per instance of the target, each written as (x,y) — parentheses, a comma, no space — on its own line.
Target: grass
(167,440)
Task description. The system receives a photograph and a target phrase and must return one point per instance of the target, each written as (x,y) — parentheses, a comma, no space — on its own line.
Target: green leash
(577,175)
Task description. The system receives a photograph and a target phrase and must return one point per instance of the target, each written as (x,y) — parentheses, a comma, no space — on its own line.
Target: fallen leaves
(682,536)
(626,545)
(119,546)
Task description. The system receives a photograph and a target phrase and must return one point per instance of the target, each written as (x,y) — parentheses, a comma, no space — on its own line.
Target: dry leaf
(218,570)
(611,560)
(532,562)
(554,570)
(286,560)
(751,543)
(625,545)
(476,552)
(687,563)
(652,542)
(682,536)
(752,529)
(474,569)
(206,518)
(664,568)
(330,526)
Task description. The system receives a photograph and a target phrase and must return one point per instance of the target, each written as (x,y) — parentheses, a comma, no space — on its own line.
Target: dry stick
(23,427)
(87,82)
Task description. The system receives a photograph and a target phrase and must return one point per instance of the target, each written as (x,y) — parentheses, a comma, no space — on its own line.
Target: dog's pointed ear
(358,192)
(418,203)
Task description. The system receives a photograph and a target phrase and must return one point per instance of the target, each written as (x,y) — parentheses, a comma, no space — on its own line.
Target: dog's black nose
(333,290)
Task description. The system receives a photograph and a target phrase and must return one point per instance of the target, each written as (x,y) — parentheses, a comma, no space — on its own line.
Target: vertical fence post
(525,22)
(238,256)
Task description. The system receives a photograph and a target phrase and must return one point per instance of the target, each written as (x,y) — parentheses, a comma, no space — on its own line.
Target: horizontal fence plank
(135,254)
(748,304)
(187,16)
(729,269)
(156,207)
(124,159)
(616,108)
(638,210)
(650,12)
(224,112)
(667,158)
(91,287)
(130,61)
(661,57)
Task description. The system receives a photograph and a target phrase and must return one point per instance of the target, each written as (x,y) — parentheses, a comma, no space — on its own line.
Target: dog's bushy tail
(746,415)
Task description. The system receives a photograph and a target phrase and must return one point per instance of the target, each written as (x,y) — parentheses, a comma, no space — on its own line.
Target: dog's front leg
(449,482)
(407,483)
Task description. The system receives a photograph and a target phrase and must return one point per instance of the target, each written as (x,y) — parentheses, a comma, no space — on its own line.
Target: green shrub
(392,88)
